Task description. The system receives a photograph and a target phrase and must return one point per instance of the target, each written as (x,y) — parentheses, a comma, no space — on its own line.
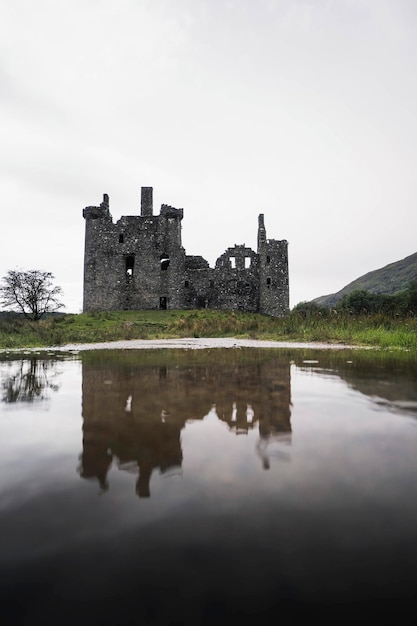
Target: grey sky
(303,110)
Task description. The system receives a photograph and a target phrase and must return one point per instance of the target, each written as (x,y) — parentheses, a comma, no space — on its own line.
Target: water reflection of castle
(133,415)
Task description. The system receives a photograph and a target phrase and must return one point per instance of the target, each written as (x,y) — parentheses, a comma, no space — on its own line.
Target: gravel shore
(192,343)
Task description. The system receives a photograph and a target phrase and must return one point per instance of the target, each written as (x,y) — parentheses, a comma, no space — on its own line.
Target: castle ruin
(139,263)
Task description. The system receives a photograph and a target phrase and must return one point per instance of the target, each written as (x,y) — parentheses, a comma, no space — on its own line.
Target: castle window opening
(247,262)
(268,259)
(164,262)
(212,283)
(233,262)
(163,303)
(121,238)
(130,263)
(268,281)
(186,283)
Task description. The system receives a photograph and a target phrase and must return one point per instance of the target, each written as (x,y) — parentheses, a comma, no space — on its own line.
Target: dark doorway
(163,303)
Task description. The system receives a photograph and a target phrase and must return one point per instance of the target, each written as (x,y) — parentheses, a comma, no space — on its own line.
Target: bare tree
(30,292)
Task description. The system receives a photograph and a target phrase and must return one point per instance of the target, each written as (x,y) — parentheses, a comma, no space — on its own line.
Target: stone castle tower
(139,263)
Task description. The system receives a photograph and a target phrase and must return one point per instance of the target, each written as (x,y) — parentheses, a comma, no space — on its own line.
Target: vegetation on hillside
(361,301)
(387,280)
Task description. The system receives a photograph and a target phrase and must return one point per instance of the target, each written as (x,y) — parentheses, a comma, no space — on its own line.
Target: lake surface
(205,487)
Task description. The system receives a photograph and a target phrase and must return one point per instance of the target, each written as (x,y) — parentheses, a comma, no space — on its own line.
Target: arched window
(130,263)
(164,262)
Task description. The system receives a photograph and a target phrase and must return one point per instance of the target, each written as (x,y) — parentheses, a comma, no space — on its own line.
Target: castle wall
(237,280)
(273,278)
(136,263)
(198,288)
(100,291)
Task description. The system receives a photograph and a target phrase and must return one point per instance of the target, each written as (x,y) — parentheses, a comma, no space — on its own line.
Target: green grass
(373,330)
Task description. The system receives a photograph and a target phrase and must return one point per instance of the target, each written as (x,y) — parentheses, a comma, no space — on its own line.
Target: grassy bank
(363,330)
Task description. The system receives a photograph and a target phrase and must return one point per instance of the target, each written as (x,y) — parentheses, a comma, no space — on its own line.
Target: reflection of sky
(217,459)
(341,440)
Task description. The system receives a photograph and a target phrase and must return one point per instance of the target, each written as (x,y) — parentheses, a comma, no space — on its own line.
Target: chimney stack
(146,202)
(261,231)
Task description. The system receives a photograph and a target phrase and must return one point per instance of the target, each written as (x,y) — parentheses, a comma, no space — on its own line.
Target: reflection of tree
(28,380)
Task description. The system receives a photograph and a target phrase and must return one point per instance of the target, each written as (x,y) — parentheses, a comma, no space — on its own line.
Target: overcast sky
(304,110)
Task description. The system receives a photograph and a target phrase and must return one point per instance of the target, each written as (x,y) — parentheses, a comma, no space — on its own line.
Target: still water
(201,487)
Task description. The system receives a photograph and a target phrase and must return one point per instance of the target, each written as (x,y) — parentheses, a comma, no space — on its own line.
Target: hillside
(386,280)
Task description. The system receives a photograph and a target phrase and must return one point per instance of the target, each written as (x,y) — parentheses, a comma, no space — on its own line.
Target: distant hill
(387,280)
